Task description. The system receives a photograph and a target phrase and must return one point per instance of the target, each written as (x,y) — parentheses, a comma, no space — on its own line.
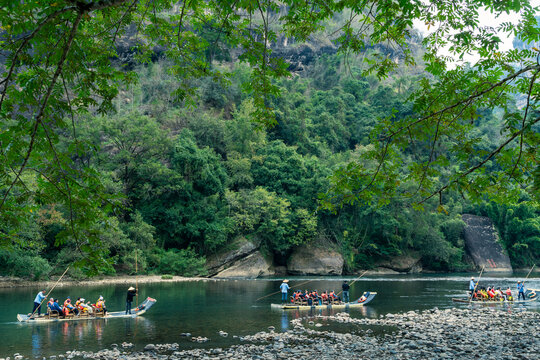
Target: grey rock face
(252,266)
(311,260)
(238,249)
(481,242)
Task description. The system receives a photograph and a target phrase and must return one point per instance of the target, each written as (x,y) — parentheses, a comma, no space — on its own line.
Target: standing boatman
(345,287)
(129,298)
(37,302)
(284,288)
(521,290)
(472,286)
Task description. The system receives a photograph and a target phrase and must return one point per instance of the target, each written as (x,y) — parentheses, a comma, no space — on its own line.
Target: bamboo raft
(138,311)
(357,303)
(531,295)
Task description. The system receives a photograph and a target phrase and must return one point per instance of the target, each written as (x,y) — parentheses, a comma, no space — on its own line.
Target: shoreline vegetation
(465,333)
(15,282)
(12,282)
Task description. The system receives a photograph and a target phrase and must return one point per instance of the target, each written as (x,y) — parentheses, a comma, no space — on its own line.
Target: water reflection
(284,321)
(75,334)
(36,341)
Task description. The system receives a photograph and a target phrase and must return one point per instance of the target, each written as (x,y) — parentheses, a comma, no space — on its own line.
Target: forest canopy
(79,165)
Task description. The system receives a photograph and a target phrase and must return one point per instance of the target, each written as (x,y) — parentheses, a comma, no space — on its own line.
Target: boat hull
(138,311)
(352,304)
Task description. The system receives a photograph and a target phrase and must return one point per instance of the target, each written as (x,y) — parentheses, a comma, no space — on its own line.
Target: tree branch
(41,113)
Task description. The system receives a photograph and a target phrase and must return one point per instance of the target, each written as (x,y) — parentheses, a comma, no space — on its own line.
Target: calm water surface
(203,308)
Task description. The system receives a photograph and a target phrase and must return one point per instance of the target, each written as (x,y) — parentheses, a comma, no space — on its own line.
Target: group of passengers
(314,298)
(492,294)
(80,307)
(68,308)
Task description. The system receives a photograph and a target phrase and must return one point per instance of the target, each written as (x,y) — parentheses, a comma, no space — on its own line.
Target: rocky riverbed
(432,334)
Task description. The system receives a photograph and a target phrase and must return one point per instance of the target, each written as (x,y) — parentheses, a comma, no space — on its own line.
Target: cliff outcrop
(482,244)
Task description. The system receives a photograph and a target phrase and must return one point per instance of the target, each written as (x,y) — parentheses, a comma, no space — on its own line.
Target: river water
(204,308)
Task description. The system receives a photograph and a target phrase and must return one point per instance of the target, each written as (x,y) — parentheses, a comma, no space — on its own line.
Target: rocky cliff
(481,243)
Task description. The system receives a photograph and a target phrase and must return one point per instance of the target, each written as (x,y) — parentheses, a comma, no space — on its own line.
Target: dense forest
(174,180)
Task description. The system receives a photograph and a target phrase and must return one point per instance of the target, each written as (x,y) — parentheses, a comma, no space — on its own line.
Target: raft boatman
(129,298)
(521,290)
(284,287)
(472,286)
(345,287)
(37,302)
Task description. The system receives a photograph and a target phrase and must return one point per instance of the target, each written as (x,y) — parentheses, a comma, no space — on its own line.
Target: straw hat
(285,281)
(131,288)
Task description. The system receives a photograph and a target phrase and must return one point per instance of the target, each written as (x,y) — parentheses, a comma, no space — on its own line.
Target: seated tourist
(56,307)
(84,308)
(508,294)
(69,308)
(100,305)
(324,297)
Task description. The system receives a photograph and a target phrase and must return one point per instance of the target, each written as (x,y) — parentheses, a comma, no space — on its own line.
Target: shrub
(178,262)
(19,263)
(166,277)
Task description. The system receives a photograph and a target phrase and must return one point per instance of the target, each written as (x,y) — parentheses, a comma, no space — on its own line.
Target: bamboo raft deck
(138,311)
(352,304)
(531,295)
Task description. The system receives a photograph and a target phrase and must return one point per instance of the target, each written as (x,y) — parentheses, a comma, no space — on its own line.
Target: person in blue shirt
(37,302)
(56,307)
(472,286)
(284,288)
(521,290)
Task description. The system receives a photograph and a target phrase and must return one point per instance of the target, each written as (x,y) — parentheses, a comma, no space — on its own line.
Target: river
(204,308)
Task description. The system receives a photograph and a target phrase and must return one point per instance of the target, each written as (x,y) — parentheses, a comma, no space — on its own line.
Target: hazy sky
(487,19)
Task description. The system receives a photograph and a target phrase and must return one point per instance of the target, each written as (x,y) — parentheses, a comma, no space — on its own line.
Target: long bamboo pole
(358,278)
(276,292)
(50,291)
(136,279)
(476,285)
(530,271)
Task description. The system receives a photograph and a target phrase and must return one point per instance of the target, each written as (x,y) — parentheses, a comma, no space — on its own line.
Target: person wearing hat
(472,286)
(129,298)
(37,302)
(100,305)
(345,287)
(284,288)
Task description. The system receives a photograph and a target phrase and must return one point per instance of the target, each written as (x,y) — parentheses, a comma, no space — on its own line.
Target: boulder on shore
(238,249)
(406,263)
(315,260)
(252,266)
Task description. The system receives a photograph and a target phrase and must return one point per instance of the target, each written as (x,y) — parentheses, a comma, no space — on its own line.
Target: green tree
(271,219)
(57,66)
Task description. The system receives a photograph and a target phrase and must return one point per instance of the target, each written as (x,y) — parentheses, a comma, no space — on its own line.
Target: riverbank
(475,333)
(11,282)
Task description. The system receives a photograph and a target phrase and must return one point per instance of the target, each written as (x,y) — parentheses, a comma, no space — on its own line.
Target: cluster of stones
(431,334)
